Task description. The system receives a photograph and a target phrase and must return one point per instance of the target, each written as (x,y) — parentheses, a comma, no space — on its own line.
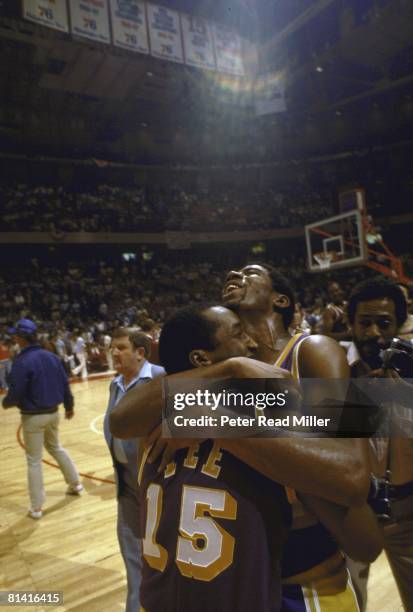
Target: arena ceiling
(347,65)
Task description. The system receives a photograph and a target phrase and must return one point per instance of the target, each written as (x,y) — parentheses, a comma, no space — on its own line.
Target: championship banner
(164,33)
(129,25)
(90,19)
(50,13)
(269,95)
(228,50)
(197,39)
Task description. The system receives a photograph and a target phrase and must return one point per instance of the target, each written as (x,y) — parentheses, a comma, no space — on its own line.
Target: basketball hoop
(324,259)
(336,242)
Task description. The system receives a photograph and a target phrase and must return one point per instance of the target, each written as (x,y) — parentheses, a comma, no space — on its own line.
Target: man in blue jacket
(38,384)
(130,350)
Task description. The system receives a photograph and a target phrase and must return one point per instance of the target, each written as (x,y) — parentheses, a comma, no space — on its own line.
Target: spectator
(38,384)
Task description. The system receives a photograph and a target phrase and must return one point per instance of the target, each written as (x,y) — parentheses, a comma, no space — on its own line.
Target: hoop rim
(324,259)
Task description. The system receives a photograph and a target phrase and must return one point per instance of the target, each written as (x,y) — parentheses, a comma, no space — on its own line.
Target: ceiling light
(319,69)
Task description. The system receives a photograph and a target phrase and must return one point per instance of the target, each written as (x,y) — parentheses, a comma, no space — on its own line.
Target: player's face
(126,359)
(230,337)
(375,325)
(19,340)
(248,289)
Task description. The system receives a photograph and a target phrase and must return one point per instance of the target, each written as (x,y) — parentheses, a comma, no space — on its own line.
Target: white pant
(81,367)
(39,430)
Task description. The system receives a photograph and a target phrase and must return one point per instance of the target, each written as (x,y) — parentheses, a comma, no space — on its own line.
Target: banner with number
(129,25)
(50,13)
(90,19)
(164,33)
(228,50)
(197,39)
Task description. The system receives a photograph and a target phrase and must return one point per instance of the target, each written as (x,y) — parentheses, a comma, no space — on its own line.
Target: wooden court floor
(73,548)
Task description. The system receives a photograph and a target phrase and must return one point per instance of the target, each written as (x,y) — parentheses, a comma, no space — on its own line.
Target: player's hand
(172,445)
(69,414)
(164,447)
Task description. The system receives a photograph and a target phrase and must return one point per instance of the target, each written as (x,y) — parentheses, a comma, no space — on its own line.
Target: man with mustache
(377,309)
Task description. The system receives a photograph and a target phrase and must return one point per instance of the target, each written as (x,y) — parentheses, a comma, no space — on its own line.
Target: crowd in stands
(115,209)
(289,196)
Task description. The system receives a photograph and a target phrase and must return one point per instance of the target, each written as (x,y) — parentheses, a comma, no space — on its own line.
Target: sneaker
(35,514)
(74,489)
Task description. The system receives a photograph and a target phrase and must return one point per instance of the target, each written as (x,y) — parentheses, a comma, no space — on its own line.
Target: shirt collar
(359,368)
(145,372)
(353,356)
(29,347)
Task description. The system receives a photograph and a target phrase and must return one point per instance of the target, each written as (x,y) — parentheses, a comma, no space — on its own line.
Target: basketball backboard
(352,199)
(336,242)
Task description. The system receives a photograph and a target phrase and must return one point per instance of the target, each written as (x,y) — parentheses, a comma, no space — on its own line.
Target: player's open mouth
(231,287)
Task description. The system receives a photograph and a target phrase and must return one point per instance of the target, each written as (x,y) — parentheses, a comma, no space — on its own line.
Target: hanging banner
(50,13)
(164,33)
(90,19)
(270,95)
(197,39)
(129,25)
(228,50)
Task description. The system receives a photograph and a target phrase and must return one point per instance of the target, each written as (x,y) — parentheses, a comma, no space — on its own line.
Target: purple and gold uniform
(314,573)
(214,530)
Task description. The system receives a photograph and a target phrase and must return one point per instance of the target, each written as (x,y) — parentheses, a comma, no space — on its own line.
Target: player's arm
(328,468)
(140,410)
(355,529)
(334,469)
(322,358)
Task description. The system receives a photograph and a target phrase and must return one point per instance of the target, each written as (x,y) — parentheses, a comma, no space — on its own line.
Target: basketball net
(324,259)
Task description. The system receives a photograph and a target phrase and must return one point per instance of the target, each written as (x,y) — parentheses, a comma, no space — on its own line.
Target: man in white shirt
(79,349)
(377,310)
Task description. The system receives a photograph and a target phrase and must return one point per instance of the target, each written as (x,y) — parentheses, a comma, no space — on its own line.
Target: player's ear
(199,358)
(280,301)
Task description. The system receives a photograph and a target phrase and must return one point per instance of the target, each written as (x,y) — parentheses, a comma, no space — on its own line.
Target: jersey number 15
(204,549)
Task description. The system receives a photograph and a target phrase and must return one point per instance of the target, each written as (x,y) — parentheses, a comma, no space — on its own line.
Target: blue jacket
(38,382)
